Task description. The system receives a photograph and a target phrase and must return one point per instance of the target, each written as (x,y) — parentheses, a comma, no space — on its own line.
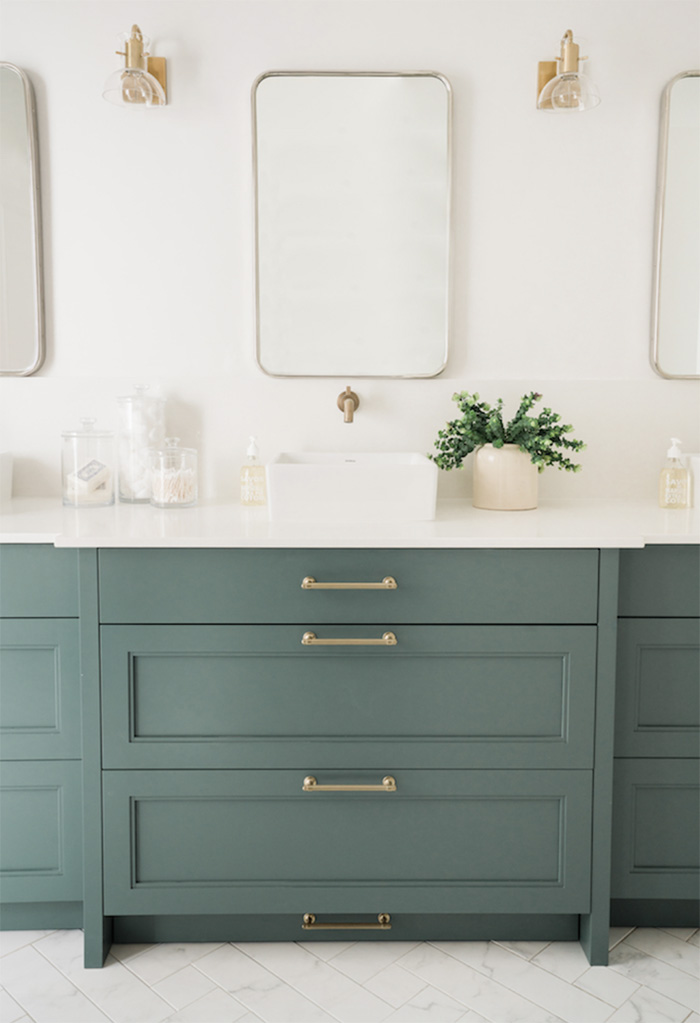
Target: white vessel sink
(352,487)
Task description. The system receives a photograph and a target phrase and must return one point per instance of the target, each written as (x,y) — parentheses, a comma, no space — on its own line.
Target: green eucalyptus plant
(542,437)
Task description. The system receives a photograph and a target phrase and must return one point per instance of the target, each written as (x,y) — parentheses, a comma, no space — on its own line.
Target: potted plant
(508,457)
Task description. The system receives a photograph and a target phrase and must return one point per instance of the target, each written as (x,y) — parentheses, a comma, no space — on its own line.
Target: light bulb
(131,86)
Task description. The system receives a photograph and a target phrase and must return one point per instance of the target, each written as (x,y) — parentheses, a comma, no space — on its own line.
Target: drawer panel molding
(494,839)
(208,696)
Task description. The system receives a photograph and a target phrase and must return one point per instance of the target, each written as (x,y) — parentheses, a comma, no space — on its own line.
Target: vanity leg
(97,929)
(595,926)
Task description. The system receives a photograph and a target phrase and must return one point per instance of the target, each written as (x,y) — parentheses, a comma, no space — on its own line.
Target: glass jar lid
(141,396)
(87,429)
(172,447)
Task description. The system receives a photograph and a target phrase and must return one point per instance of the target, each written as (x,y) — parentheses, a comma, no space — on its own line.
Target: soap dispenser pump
(253,478)
(674,489)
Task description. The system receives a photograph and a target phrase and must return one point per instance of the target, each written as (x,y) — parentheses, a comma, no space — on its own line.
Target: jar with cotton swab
(173,475)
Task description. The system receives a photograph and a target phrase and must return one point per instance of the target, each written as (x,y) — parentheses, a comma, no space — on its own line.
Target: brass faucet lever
(348,402)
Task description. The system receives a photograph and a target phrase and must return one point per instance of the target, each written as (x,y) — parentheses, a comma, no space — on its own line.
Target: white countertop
(587,523)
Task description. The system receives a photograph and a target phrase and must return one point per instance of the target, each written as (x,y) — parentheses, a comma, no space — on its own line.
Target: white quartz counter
(590,523)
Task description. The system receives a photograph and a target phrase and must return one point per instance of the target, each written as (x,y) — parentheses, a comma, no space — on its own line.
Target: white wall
(148,228)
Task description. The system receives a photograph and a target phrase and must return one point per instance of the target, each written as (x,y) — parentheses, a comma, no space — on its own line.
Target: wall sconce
(564,88)
(142,80)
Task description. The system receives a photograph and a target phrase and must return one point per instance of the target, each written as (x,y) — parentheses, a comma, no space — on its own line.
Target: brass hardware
(157,66)
(567,61)
(387,583)
(348,403)
(310,639)
(383,924)
(311,785)
(136,58)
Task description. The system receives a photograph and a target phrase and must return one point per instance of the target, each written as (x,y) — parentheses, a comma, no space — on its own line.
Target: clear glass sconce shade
(568,92)
(133,86)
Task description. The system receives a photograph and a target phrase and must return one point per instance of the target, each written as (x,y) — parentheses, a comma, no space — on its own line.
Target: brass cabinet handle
(311,639)
(311,785)
(387,583)
(383,924)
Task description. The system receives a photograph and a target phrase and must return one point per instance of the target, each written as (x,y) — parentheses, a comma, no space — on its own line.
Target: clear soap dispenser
(674,481)
(253,478)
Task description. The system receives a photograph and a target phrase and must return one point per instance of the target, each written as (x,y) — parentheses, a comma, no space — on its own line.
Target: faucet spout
(348,402)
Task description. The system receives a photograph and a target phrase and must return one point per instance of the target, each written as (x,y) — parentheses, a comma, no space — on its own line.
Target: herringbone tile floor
(652,978)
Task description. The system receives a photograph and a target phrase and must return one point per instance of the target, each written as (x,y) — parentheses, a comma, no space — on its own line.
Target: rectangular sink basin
(352,487)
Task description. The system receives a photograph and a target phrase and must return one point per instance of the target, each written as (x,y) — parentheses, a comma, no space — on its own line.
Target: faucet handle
(348,402)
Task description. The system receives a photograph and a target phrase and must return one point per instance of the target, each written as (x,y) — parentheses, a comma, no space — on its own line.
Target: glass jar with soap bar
(87,466)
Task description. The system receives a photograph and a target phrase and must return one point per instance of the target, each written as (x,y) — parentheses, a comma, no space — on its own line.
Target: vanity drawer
(656,830)
(38,581)
(41,831)
(433,586)
(254,696)
(40,699)
(255,842)
(660,582)
(658,688)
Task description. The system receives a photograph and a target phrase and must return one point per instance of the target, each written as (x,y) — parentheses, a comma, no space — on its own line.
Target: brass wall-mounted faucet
(348,402)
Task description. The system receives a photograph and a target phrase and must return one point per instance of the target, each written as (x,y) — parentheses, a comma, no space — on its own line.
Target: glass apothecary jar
(173,475)
(141,428)
(87,466)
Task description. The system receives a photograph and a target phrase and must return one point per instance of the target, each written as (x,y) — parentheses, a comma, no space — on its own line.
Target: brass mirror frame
(659,228)
(38,280)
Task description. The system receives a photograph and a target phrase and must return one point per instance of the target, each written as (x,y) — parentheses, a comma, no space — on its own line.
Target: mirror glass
(21,302)
(352,223)
(676,307)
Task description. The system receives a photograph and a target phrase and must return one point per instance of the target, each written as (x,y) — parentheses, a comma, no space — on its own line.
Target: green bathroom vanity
(260,754)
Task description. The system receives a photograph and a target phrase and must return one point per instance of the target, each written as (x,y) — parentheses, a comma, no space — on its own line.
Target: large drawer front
(660,582)
(40,676)
(443,696)
(658,688)
(433,586)
(38,581)
(41,831)
(255,842)
(656,830)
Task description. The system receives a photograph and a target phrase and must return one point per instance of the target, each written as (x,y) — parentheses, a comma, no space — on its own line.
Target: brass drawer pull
(311,639)
(383,924)
(387,583)
(311,785)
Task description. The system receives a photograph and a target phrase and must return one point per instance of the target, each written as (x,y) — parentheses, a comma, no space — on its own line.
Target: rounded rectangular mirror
(675,345)
(21,296)
(352,180)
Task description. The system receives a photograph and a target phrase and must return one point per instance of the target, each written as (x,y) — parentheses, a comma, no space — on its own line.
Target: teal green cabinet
(656,837)
(254,697)
(41,806)
(247,842)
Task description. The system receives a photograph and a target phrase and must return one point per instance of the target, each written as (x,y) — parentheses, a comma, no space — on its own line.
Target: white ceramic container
(504,479)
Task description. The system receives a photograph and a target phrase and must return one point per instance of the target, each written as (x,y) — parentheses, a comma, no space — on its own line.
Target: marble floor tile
(44,993)
(184,987)
(525,949)
(618,934)
(214,1007)
(694,939)
(366,958)
(647,1006)
(608,985)
(261,991)
(682,933)
(653,973)
(666,946)
(325,949)
(318,981)
(160,961)
(394,985)
(472,988)
(565,959)
(9,1009)
(430,1005)
(10,941)
(531,982)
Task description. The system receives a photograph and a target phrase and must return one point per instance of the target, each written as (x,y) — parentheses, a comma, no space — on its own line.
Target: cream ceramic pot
(504,479)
